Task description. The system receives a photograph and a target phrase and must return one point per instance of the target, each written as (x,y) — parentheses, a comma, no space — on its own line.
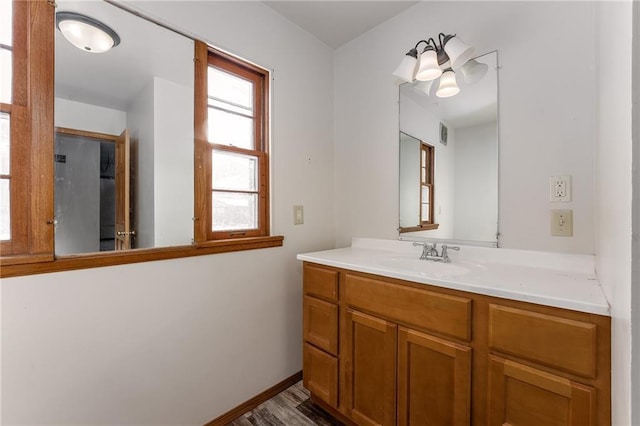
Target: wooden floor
(291,407)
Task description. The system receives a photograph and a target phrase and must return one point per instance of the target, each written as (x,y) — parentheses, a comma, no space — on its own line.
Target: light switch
(562,223)
(298,215)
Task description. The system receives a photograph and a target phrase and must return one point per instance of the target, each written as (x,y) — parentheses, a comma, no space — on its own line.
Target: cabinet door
(320,374)
(434,381)
(524,396)
(320,324)
(370,365)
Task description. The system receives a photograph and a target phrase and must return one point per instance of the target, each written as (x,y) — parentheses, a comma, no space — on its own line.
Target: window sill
(45,265)
(428,227)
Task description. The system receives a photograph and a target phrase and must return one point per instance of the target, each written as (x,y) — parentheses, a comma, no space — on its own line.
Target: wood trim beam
(95,260)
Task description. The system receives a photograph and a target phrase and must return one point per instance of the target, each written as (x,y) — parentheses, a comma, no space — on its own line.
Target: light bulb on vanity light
(428,68)
(448,85)
(407,68)
(458,51)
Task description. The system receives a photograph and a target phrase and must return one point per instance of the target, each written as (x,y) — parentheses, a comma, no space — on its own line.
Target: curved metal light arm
(444,39)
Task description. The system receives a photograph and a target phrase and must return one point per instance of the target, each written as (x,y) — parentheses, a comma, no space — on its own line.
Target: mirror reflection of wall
(144,84)
(466,168)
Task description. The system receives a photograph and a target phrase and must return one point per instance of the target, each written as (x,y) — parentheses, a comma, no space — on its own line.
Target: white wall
(613,189)
(91,118)
(546,122)
(160,120)
(140,122)
(476,188)
(183,341)
(173,161)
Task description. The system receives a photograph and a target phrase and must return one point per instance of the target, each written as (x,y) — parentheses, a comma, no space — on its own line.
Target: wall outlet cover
(562,223)
(560,188)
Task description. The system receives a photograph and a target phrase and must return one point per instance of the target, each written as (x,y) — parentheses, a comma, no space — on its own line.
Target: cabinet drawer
(521,395)
(320,324)
(440,313)
(320,374)
(550,340)
(320,282)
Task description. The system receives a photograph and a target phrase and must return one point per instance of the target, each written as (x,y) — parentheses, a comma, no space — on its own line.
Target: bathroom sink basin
(426,267)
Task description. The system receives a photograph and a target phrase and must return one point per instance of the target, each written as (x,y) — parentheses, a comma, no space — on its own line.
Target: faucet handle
(445,253)
(419,244)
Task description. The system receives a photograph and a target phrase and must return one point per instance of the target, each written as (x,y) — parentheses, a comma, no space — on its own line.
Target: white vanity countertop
(553,279)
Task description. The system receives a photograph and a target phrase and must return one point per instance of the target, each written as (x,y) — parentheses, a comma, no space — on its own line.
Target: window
(426,184)
(26,142)
(231,147)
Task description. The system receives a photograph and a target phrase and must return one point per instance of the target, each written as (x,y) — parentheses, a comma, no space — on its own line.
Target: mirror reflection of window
(417,183)
(427,161)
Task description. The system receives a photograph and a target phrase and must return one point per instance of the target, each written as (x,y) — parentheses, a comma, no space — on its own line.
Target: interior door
(123,166)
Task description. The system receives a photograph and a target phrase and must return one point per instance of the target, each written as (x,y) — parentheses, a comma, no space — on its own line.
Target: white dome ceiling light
(86,33)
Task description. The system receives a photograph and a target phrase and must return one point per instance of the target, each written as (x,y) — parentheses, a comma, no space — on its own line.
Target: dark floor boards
(291,407)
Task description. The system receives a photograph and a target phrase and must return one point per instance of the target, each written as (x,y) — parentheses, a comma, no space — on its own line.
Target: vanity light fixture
(441,61)
(86,33)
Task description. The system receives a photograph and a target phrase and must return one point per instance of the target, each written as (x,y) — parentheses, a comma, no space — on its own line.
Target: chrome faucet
(430,252)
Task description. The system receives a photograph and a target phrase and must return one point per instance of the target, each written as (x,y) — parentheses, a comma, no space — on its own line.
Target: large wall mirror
(124,137)
(449,160)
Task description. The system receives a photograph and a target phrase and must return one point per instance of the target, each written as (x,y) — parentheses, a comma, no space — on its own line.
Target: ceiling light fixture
(441,61)
(86,33)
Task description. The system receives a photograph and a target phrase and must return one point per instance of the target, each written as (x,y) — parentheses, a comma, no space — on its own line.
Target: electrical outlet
(298,215)
(560,188)
(562,223)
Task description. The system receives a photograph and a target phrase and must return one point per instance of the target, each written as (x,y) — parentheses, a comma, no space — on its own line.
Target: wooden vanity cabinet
(320,333)
(413,354)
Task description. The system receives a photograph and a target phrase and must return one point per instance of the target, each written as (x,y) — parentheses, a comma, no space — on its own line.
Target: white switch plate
(562,223)
(560,188)
(298,215)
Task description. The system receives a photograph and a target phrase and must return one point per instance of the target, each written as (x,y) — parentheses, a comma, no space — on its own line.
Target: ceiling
(338,22)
